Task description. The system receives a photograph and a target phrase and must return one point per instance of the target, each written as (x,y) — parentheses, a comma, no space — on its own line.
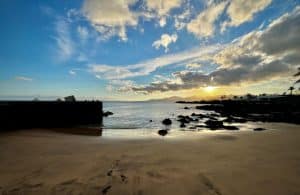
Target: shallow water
(132,119)
(137,115)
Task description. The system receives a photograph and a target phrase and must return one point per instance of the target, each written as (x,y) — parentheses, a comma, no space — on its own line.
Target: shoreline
(46,162)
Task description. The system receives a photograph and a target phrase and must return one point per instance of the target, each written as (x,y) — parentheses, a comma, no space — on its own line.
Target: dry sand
(45,162)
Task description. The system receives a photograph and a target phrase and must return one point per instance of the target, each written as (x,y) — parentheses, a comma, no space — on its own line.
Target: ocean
(140,119)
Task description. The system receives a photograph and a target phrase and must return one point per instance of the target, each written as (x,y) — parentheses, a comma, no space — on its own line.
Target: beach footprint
(209,184)
(115,175)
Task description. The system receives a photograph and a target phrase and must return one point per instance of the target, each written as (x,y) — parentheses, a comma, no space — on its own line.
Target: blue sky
(141,49)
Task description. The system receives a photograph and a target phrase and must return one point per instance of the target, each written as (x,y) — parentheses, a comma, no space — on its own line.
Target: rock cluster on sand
(211,123)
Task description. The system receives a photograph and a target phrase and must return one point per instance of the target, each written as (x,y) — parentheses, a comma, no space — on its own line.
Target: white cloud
(149,66)
(72,72)
(240,11)
(113,17)
(63,39)
(110,18)
(83,32)
(164,41)
(162,22)
(204,24)
(109,88)
(163,7)
(181,20)
(193,66)
(22,78)
(110,72)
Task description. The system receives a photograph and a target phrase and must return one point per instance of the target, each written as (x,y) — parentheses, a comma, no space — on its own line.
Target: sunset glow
(209,89)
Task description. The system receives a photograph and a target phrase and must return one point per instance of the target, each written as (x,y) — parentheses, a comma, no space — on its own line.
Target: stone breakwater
(39,114)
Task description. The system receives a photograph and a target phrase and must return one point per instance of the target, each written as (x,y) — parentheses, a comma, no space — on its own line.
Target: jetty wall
(35,114)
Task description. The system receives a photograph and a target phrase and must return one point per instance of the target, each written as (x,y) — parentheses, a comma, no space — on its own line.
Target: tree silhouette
(297,75)
(291,89)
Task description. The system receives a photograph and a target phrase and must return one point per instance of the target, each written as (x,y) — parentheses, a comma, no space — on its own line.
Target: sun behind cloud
(209,89)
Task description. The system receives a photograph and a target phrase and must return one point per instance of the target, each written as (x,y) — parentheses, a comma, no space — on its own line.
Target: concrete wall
(32,114)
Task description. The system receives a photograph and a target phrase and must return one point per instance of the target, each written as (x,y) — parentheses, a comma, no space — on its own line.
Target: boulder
(214,124)
(183,120)
(230,127)
(162,132)
(167,121)
(107,113)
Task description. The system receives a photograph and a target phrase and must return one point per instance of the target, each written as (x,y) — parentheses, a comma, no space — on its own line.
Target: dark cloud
(283,35)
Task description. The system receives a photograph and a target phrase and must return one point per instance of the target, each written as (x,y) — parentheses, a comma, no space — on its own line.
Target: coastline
(46,162)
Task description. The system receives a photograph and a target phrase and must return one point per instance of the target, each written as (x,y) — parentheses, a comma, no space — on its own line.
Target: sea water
(135,119)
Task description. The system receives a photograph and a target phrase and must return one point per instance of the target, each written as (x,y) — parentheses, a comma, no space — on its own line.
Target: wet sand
(46,162)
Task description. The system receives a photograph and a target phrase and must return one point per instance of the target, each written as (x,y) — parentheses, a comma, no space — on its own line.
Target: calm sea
(137,115)
(133,119)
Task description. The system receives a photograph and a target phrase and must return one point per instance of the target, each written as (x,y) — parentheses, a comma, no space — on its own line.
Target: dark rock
(186,108)
(195,120)
(214,124)
(150,121)
(199,115)
(182,125)
(200,126)
(232,119)
(230,127)
(214,115)
(167,121)
(183,120)
(107,113)
(188,118)
(259,129)
(211,118)
(163,132)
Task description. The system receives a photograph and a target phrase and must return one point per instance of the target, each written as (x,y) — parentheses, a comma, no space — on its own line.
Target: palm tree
(297,75)
(291,89)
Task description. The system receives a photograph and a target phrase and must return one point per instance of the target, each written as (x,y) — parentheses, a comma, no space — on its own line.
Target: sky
(147,49)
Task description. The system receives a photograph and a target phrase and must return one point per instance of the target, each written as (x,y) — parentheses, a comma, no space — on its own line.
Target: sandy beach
(45,162)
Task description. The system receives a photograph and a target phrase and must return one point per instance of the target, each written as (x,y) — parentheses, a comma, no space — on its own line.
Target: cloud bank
(257,56)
